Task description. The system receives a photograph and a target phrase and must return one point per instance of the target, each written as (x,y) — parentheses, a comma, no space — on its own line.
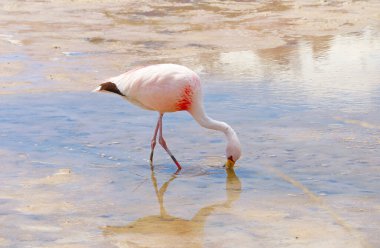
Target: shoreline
(74,54)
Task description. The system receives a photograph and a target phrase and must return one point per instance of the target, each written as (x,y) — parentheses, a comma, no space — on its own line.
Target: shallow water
(75,164)
(76,173)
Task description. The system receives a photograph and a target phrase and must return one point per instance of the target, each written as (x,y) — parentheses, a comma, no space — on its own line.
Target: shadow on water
(164,229)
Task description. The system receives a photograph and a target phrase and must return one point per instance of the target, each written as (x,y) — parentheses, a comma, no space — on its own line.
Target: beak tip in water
(229,164)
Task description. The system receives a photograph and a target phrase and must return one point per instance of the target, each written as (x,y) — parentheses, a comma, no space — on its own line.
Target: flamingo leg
(153,142)
(162,142)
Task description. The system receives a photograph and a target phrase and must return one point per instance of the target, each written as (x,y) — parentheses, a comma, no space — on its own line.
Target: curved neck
(200,116)
(233,148)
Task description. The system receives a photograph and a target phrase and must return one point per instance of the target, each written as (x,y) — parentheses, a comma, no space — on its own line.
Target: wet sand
(299,83)
(92,40)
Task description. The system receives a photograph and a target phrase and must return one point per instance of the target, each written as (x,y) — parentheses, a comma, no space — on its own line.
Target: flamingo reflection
(165,230)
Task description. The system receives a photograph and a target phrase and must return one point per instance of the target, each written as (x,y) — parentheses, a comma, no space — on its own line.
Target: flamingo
(169,88)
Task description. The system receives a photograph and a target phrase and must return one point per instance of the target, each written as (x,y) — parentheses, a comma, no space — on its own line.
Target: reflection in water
(165,230)
(312,66)
(320,45)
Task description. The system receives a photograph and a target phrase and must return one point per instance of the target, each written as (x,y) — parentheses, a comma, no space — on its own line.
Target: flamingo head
(233,151)
(110,87)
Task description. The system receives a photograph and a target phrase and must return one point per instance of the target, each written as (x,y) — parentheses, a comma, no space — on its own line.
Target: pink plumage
(169,88)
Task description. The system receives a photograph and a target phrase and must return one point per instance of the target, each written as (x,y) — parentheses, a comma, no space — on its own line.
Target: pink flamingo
(170,88)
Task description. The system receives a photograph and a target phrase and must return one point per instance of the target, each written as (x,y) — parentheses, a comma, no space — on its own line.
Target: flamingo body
(163,87)
(170,88)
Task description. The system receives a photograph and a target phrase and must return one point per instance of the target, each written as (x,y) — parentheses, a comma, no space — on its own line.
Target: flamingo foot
(163,144)
(176,163)
(177,172)
(151,158)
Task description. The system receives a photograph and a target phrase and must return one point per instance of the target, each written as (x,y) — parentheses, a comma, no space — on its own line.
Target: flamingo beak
(97,89)
(230,163)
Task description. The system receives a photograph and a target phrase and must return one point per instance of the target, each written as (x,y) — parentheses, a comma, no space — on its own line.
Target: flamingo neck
(201,117)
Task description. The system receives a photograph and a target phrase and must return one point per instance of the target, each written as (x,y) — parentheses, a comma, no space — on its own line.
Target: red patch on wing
(186,98)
